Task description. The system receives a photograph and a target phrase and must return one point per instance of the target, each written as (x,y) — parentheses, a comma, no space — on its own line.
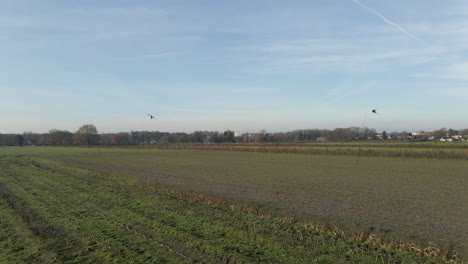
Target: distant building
(379,136)
(245,134)
(420,134)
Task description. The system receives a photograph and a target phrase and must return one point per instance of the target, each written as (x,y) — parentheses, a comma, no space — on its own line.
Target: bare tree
(30,137)
(59,137)
(260,137)
(86,135)
(121,138)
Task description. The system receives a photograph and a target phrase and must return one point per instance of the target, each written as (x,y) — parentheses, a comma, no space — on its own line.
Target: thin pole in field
(359,141)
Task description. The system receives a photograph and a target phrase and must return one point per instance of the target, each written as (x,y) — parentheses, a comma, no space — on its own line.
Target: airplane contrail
(388,21)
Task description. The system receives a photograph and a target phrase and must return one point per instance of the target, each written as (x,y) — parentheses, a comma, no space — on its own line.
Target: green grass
(40,151)
(432,150)
(60,214)
(419,201)
(117,205)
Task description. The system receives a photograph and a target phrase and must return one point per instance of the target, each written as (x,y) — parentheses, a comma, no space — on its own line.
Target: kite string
(359,141)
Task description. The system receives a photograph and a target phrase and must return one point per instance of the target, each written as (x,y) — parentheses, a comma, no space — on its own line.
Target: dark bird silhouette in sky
(375,111)
(152,117)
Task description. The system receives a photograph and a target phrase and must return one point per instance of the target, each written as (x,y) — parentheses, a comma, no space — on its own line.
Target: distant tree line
(85,135)
(88,135)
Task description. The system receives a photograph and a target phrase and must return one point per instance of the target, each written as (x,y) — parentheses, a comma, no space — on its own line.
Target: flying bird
(375,111)
(152,117)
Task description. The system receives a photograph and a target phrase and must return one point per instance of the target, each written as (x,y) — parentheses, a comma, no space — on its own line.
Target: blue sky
(239,65)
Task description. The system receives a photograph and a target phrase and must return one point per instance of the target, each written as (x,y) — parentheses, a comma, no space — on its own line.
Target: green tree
(197,137)
(228,136)
(19,140)
(384,135)
(215,138)
(452,132)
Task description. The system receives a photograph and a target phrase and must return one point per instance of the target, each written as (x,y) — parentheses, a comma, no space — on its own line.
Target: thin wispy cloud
(131,11)
(391,23)
(452,92)
(333,54)
(298,46)
(338,94)
(220,90)
(457,71)
(137,11)
(344,61)
(249,61)
(148,56)
(19,23)
(453,71)
(451,33)
(161,55)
